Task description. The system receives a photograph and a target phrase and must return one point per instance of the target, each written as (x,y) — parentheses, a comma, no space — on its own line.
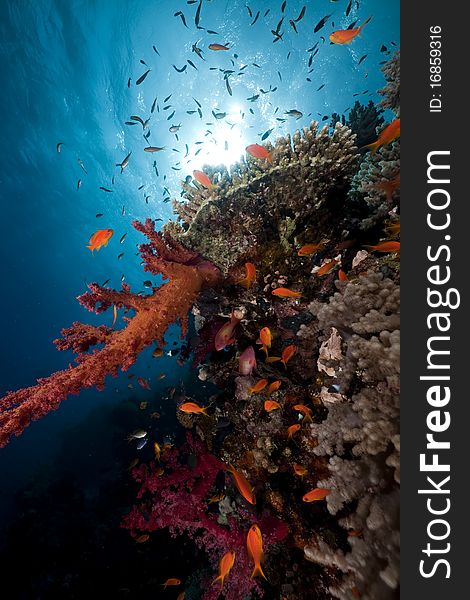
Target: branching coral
(187,273)
(361,435)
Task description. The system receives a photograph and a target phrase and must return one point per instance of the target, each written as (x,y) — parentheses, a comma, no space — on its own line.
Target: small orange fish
(342,275)
(157,449)
(254,544)
(143,405)
(270,405)
(203,179)
(287,354)
(191,408)
(272,359)
(258,151)
(265,338)
(355,533)
(385,247)
(157,353)
(388,186)
(224,337)
(258,387)
(387,135)
(393,229)
(114,315)
(243,485)
(217,498)
(217,47)
(142,538)
(299,470)
(346,36)
(171,581)
(225,566)
(100,238)
(305,410)
(292,429)
(273,387)
(309,249)
(327,267)
(283,292)
(181,596)
(250,276)
(316,494)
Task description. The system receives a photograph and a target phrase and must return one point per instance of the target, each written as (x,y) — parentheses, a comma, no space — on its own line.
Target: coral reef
(361,435)
(187,273)
(391,91)
(378,177)
(275,199)
(178,500)
(362,120)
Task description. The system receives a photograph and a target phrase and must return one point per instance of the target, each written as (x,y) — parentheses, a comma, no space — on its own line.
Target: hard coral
(259,203)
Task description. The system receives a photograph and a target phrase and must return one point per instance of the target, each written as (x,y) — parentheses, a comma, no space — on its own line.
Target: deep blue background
(65,66)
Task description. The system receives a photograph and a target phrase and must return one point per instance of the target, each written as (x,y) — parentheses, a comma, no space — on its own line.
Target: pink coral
(187,274)
(179,501)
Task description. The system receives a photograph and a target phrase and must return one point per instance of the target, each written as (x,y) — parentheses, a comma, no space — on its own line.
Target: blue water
(65,68)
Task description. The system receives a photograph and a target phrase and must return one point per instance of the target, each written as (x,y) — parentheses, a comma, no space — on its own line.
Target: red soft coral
(187,274)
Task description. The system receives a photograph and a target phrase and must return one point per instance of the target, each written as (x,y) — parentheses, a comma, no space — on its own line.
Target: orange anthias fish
(181,596)
(309,249)
(346,36)
(299,470)
(283,292)
(273,387)
(203,179)
(191,408)
(305,410)
(243,485)
(258,387)
(326,268)
(224,337)
(265,338)
(142,538)
(217,47)
(270,405)
(171,581)
(292,429)
(225,566)
(342,275)
(316,494)
(387,135)
(287,354)
(250,276)
(100,238)
(385,247)
(393,228)
(258,151)
(254,544)
(388,186)
(272,359)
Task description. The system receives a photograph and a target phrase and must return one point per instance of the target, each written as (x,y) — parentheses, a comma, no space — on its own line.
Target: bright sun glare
(224,145)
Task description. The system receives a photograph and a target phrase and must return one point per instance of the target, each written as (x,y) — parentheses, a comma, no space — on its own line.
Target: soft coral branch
(187,273)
